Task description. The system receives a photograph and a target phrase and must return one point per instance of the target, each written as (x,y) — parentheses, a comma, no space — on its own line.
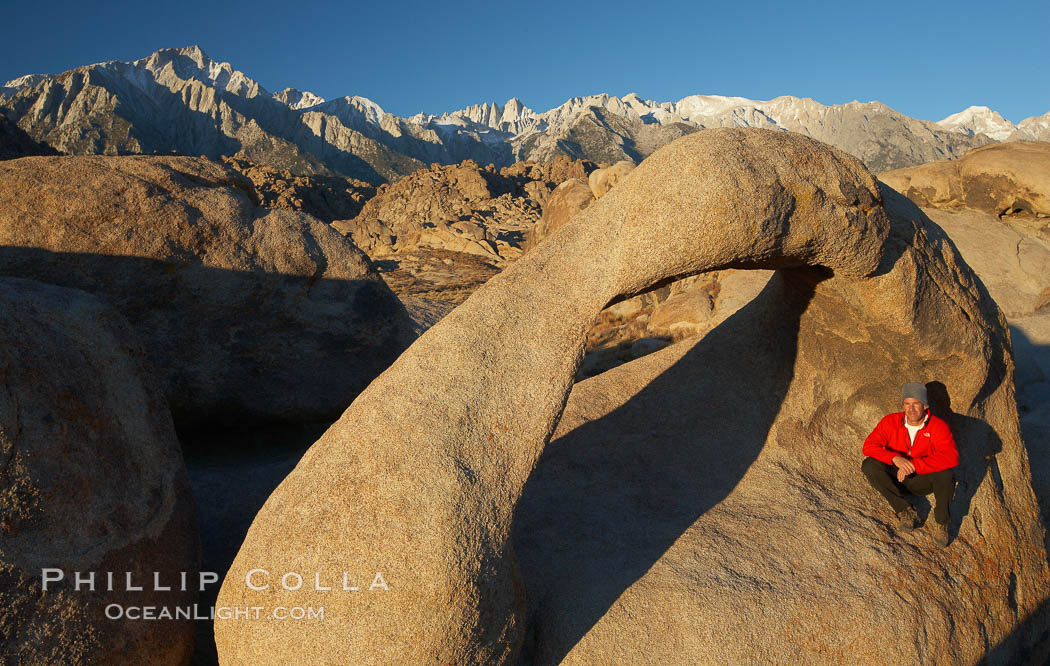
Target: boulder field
(702,504)
(91,481)
(463,208)
(248,314)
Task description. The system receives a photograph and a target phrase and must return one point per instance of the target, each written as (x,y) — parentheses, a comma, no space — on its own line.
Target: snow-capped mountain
(179,100)
(14,85)
(979,120)
(982,120)
(608,128)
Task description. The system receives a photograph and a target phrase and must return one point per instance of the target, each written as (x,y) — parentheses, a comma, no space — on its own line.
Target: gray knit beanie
(916,390)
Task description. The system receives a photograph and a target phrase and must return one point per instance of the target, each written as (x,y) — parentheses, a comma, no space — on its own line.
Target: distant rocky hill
(325,197)
(181,101)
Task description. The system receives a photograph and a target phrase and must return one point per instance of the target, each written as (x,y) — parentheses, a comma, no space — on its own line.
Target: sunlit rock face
(705,500)
(995,205)
(1007,179)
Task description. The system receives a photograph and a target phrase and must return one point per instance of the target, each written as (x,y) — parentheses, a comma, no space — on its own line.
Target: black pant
(883,478)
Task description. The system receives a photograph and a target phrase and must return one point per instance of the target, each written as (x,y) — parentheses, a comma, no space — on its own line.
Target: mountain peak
(353,112)
(514,109)
(972,112)
(195,53)
(298,99)
(192,63)
(979,120)
(25,81)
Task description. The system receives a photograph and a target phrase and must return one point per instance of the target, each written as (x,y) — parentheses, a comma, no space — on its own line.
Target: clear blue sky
(924,59)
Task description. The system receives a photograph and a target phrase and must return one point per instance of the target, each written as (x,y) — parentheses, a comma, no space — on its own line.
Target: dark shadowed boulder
(248,314)
(14,142)
(92,481)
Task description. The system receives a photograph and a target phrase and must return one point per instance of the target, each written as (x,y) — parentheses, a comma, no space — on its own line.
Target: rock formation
(438,275)
(569,198)
(92,482)
(248,314)
(994,204)
(640,325)
(460,208)
(648,322)
(419,480)
(1012,257)
(602,180)
(1001,179)
(327,198)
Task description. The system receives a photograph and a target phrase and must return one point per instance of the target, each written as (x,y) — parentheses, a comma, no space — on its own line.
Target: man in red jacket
(913,453)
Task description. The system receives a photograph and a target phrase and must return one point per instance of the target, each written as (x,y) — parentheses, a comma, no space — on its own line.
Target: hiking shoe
(906,520)
(940,533)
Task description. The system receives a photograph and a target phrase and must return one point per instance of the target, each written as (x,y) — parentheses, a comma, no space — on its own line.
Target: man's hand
(904,467)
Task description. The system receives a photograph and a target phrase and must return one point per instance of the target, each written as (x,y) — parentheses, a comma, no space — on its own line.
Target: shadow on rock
(674,450)
(238,347)
(978,445)
(1033,404)
(1013,649)
(232,473)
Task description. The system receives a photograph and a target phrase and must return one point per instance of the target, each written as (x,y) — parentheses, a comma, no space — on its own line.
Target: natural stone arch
(421,476)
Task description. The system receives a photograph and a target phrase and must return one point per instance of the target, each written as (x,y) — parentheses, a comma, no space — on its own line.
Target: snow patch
(979,120)
(26,81)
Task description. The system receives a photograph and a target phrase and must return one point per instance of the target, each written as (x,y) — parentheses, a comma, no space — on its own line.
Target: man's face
(913,410)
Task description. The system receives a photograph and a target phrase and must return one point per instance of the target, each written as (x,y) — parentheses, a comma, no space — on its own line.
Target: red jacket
(933,450)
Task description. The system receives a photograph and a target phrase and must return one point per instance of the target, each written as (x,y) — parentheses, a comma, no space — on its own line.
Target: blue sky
(924,59)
